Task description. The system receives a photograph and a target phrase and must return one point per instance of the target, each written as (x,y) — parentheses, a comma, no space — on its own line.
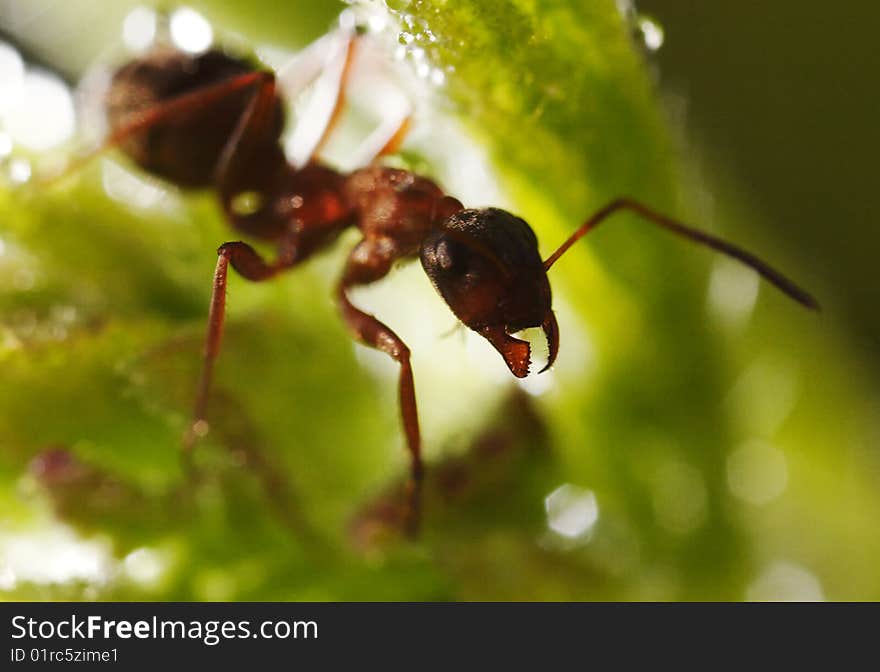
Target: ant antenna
(770,274)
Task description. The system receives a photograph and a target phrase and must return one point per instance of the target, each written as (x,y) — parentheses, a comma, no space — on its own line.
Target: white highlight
(652,33)
(786,582)
(191,31)
(19,171)
(42,116)
(536,384)
(144,565)
(51,556)
(11,76)
(127,187)
(572,511)
(733,292)
(139,29)
(5,145)
(377,22)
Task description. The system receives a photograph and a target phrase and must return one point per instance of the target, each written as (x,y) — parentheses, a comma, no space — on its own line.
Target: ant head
(485,264)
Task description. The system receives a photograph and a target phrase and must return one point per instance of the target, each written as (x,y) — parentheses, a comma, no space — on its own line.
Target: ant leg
(251,154)
(319,120)
(368,262)
(341,71)
(306,65)
(386,139)
(320,117)
(253,267)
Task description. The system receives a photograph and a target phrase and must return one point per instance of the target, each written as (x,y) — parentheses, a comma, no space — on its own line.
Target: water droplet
(652,33)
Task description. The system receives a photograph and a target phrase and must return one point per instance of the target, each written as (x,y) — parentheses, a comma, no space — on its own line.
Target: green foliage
(653,397)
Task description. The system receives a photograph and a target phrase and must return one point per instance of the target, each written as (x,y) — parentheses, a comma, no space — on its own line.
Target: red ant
(214,121)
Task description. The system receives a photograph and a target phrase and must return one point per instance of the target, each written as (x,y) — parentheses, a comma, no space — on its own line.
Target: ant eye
(462,277)
(448,255)
(458,268)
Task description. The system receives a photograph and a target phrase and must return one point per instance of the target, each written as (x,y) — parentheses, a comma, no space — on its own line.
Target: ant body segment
(213,121)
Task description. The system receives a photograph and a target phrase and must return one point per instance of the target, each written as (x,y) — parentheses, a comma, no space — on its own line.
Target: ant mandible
(215,121)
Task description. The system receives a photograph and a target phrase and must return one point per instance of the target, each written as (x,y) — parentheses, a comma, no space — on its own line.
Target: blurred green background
(700,437)
(784,100)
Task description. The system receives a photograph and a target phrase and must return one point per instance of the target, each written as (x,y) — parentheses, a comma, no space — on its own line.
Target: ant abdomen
(185,148)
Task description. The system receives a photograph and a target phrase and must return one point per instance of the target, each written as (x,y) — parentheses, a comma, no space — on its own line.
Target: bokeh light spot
(11,75)
(652,33)
(19,170)
(757,472)
(43,116)
(191,31)
(50,556)
(144,565)
(572,511)
(733,292)
(139,29)
(785,582)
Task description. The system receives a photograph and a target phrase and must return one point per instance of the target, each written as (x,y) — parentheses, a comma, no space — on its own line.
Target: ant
(214,121)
